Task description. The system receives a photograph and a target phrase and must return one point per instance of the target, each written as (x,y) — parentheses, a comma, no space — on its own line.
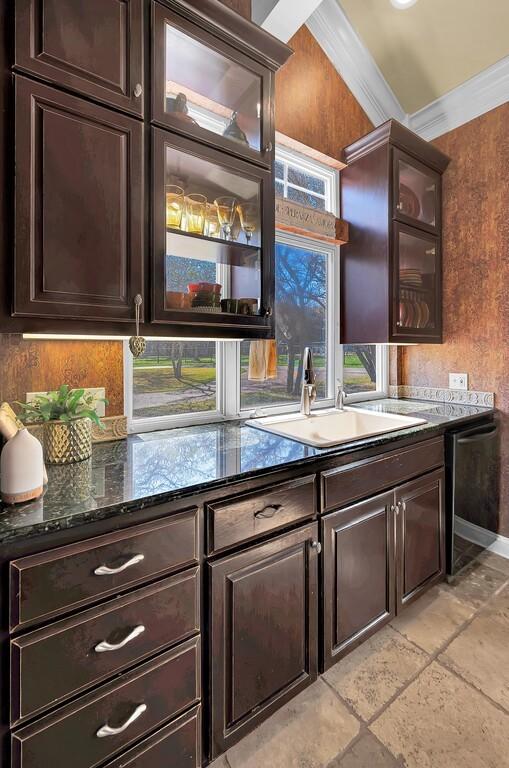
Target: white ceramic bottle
(21,469)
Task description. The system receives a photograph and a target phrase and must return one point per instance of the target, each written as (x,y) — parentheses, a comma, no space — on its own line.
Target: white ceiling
(432,47)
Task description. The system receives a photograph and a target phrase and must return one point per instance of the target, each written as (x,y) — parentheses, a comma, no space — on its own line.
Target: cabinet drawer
(345,484)
(100,642)
(253,514)
(99,725)
(177,745)
(63,579)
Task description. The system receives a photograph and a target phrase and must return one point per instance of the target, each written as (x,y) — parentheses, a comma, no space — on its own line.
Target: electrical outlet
(458,381)
(97,392)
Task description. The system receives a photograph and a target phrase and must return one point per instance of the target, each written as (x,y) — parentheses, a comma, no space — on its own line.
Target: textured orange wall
(313,104)
(476,272)
(241,6)
(36,366)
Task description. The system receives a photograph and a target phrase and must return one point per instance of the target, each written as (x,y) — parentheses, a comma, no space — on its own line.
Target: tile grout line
(434,656)
(473,687)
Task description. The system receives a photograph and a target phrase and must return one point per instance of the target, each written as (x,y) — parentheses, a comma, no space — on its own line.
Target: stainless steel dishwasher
(472,459)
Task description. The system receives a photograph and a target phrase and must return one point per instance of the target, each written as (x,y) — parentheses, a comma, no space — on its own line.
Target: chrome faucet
(308,395)
(340,397)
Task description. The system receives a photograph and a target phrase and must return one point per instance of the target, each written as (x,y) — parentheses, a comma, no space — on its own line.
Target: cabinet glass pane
(207,89)
(417,282)
(213,237)
(417,194)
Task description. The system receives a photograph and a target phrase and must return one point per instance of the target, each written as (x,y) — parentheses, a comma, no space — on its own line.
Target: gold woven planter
(67,442)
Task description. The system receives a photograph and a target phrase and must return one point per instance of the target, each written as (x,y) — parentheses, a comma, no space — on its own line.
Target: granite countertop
(155,467)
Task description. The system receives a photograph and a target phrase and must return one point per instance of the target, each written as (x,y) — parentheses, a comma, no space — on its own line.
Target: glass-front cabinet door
(416,192)
(207,90)
(416,284)
(212,249)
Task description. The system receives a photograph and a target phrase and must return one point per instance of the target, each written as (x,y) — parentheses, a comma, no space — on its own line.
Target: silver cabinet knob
(317,546)
(138,90)
(268,147)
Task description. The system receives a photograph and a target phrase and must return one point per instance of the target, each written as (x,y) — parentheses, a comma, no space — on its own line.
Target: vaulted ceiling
(428,49)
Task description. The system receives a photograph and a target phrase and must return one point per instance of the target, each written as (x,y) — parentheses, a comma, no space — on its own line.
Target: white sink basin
(330,427)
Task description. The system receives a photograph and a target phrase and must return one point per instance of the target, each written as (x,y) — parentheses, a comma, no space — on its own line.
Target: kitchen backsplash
(38,365)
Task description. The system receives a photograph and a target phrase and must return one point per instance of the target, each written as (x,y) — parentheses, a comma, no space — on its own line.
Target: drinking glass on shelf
(174,206)
(226,214)
(248,215)
(212,226)
(196,206)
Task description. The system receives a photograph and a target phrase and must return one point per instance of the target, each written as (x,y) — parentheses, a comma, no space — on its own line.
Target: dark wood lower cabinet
(420,534)
(379,555)
(358,577)
(263,632)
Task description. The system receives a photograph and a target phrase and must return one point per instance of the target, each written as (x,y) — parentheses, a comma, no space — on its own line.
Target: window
(305,181)
(187,381)
(302,309)
(173,379)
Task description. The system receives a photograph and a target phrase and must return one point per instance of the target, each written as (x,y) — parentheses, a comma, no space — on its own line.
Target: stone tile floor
(431,690)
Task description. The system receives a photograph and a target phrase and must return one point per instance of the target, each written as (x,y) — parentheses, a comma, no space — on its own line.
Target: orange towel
(262,360)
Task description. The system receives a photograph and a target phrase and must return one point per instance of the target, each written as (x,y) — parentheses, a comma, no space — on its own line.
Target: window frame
(228,378)
(329,176)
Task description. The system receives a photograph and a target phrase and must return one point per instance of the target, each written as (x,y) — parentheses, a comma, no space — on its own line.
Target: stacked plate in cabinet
(414,310)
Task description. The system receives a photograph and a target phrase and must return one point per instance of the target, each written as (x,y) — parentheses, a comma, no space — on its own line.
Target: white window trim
(228,382)
(154,423)
(332,254)
(330,176)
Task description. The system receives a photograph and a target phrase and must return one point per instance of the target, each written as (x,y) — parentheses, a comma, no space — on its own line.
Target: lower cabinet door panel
(177,745)
(264,624)
(420,533)
(101,724)
(358,574)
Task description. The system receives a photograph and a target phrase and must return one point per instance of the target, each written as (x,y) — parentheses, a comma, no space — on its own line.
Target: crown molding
(332,29)
(342,45)
(287,16)
(480,94)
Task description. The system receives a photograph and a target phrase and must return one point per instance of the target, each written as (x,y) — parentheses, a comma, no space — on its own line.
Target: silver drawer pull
(269,510)
(105,570)
(107,730)
(316,546)
(105,646)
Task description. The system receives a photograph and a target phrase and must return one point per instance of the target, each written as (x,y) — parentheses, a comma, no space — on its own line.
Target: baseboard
(496,543)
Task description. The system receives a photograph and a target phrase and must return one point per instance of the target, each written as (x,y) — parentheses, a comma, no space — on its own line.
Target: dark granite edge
(81,519)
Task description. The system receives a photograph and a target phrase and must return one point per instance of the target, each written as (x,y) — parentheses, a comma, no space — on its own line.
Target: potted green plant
(67,416)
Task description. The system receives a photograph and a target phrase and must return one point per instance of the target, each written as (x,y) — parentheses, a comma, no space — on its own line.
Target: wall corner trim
(332,30)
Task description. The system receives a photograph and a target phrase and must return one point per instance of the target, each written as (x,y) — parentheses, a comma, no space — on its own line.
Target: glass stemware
(248,215)
(226,207)
(174,206)
(196,206)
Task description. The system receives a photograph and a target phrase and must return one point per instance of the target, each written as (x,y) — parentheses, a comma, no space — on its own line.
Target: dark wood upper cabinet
(358,574)
(79,207)
(227,96)
(264,632)
(420,535)
(391,267)
(94,48)
(196,248)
